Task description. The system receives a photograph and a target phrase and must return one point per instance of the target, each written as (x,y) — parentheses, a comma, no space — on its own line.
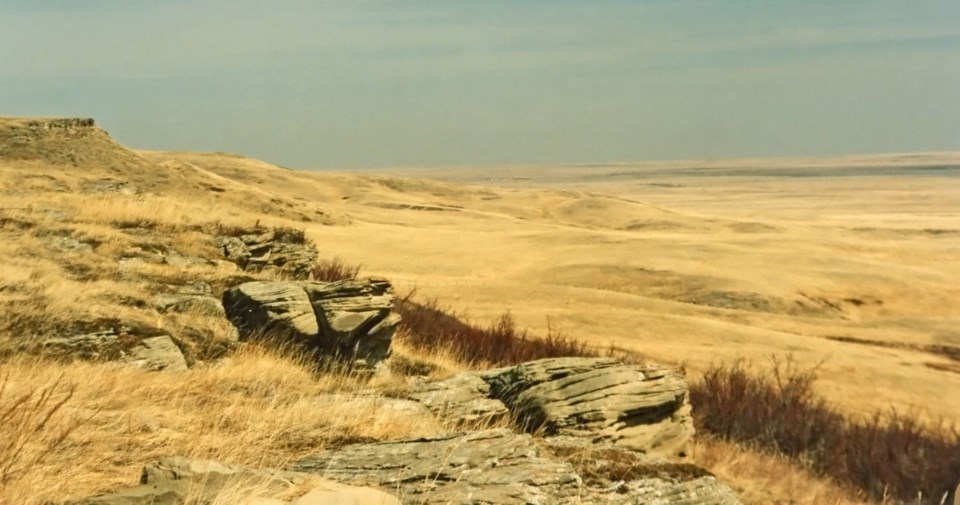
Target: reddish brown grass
(889,456)
(431,326)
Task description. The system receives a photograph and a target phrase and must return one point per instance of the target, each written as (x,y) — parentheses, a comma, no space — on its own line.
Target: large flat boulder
(642,407)
(176,480)
(481,467)
(637,477)
(352,320)
(502,467)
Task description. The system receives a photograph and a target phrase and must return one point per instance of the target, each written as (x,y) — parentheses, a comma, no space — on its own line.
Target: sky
(408,83)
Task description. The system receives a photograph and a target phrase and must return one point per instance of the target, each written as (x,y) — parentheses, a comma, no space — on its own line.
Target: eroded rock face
(644,408)
(279,249)
(351,320)
(171,481)
(263,308)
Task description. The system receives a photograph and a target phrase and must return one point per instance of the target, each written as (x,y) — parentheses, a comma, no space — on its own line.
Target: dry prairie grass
(764,479)
(680,268)
(258,409)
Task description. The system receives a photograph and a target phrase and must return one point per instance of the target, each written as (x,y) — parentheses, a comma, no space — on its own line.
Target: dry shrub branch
(888,456)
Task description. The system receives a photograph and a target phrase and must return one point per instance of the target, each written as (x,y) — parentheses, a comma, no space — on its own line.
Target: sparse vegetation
(888,456)
(430,326)
(259,409)
(332,270)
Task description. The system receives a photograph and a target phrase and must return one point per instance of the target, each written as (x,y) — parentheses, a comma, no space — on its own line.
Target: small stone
(155,354)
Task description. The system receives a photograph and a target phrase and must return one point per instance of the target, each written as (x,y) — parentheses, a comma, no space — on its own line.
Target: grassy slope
(607,268)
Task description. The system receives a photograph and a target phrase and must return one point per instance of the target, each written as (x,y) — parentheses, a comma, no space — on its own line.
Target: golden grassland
(258,409)
(687,269)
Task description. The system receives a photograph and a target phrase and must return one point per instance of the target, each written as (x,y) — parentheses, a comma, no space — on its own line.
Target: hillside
(859,276)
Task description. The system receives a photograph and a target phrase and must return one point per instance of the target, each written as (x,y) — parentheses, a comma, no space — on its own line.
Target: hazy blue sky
(375,83)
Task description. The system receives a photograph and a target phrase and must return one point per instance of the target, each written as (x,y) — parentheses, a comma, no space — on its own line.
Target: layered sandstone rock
(642,407)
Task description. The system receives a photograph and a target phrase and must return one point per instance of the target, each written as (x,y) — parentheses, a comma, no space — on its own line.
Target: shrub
(430,326)
(888,456)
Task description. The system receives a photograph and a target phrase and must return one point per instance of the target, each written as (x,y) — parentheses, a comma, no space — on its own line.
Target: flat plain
(850,264)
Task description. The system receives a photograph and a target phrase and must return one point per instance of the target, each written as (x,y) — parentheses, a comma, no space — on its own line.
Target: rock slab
(481,467)
(502,467)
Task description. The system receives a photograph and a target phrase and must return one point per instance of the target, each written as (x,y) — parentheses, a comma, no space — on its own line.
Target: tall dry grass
(28,438)
(87,427)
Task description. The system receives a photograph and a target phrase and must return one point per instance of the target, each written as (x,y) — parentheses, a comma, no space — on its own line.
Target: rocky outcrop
(174,481)
(644,408)
(118,344)
(502,467)
(606,459)
(351,320)
(463,400)
(612,433)
(283,250)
